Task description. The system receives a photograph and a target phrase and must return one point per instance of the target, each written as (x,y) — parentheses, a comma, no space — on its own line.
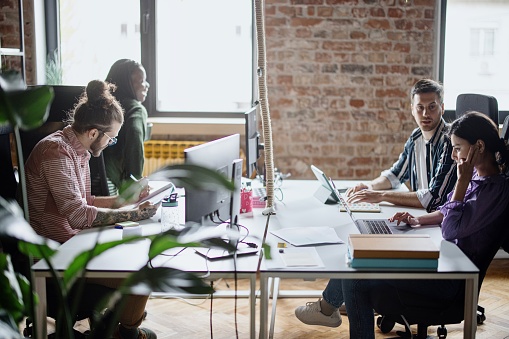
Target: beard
(96,148)
(430,125)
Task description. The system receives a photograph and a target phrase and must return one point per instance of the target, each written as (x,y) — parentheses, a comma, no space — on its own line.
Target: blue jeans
(356,296)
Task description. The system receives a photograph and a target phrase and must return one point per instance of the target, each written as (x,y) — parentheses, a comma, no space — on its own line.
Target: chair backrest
(9,182)
(505,129)
(477,102)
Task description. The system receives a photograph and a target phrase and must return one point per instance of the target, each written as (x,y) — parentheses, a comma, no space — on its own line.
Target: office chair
(477,102)
(408,308)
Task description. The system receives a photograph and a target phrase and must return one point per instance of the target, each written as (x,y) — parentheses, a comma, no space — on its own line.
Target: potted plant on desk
(28,108)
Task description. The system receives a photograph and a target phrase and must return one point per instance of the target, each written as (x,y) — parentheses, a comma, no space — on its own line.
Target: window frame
(449,115)
(148,59)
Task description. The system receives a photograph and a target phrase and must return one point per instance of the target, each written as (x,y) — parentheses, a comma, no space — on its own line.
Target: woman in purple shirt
(470,218)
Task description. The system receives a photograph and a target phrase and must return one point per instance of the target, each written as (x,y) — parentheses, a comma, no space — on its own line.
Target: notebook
(374,226)
(328,193)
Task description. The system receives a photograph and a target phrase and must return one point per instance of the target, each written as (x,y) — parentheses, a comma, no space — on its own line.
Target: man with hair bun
(58,184)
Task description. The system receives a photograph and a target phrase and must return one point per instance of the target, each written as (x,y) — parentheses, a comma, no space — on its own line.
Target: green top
(127,156)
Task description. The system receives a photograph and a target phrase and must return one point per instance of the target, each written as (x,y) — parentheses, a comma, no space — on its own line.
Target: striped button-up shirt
(440,167)
(58,186)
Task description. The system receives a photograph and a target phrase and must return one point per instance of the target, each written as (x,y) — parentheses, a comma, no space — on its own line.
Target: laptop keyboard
(377,227)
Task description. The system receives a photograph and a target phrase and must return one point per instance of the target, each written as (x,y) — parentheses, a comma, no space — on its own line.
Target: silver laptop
(374,226)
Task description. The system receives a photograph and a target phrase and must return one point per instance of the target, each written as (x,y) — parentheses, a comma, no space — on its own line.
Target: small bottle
(170,213)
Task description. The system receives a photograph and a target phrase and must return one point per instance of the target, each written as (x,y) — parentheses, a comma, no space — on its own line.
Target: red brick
(357,103)
(377,24)
(377,12)
(324,12)
(395,13)
(305,22)
(357,35)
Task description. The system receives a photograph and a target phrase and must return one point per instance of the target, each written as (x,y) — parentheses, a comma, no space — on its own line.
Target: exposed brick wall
(339,75)
(10,37)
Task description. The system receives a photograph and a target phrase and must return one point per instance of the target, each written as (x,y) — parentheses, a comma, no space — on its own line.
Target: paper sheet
(302,236)
(301,257)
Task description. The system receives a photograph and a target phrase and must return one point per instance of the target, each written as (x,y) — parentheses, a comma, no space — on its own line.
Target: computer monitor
(211,207)
(235,196)
(253,145)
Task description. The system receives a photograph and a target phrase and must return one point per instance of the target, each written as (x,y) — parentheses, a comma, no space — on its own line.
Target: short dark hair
(427,86)
(96,108)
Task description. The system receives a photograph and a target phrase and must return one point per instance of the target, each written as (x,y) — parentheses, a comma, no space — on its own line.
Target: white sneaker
(311,314)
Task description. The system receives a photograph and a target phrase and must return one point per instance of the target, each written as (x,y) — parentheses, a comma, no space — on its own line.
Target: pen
(134,178)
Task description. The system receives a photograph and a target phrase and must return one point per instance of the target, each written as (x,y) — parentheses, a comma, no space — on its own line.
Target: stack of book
(392,251)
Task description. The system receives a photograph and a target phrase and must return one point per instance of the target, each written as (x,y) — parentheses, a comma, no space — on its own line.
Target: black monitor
(212,207)
(235,196)
(253,145)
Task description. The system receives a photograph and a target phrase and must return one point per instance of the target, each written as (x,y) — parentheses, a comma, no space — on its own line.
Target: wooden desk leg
(264,305)
(40,323)
(252,305)
(470,315)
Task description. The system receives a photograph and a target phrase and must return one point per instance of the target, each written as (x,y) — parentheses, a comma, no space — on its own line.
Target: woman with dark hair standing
(127,157)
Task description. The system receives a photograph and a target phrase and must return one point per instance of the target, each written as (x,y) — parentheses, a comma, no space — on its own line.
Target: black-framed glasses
(112,141)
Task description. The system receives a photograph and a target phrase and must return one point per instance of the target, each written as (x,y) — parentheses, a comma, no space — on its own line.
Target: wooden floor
(190,318)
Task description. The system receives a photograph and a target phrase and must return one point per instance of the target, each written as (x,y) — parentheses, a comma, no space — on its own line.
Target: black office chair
(408,308)
(477,102)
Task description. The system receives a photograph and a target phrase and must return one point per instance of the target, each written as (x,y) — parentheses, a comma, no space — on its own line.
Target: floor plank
(190,318)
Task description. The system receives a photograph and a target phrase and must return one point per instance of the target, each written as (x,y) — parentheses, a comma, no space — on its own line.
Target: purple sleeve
(482,205)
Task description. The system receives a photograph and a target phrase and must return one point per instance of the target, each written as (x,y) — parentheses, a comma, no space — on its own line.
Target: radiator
(159,153)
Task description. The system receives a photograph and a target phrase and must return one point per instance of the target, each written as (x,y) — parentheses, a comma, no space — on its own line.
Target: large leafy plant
(27,108)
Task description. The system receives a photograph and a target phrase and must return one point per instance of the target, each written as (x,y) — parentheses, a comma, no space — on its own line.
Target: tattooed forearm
(110,217)
(107,216)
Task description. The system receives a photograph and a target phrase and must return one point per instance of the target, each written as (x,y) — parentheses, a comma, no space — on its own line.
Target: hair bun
(99,93)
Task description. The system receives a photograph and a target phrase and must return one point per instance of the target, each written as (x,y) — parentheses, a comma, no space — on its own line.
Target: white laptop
(329,194)
(375,226)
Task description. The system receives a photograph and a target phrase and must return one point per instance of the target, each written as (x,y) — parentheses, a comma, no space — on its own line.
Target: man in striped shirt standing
(58,186)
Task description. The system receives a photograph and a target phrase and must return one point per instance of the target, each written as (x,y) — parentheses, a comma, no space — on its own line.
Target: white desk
(301,209)
(122,260)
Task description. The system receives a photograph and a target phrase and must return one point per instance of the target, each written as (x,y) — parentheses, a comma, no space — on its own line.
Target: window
(93,34)
(202,56)
(198,54)
(475,56)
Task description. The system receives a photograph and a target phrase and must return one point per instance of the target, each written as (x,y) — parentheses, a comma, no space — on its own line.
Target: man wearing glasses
(58,187)
(58,174)
(425,162)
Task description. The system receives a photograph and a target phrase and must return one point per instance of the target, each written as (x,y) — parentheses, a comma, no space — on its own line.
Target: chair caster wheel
(442,332)
(385,325)
(480,319)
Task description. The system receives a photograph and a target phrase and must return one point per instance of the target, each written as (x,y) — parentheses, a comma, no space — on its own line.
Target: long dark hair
(97,108)
(473,126)
(120,74)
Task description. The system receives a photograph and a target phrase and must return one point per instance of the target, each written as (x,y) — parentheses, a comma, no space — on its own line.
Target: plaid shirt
(58,186)
(440,168)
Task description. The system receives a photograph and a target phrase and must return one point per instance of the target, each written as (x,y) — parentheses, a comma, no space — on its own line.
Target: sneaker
(134,333)
(311,314)
(342,310)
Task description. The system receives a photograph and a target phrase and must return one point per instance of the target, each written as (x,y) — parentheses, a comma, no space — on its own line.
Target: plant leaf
(193,176)
(30,106)
(80,262)
(14,226)
(20,106)
(164,279)
(11,301)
